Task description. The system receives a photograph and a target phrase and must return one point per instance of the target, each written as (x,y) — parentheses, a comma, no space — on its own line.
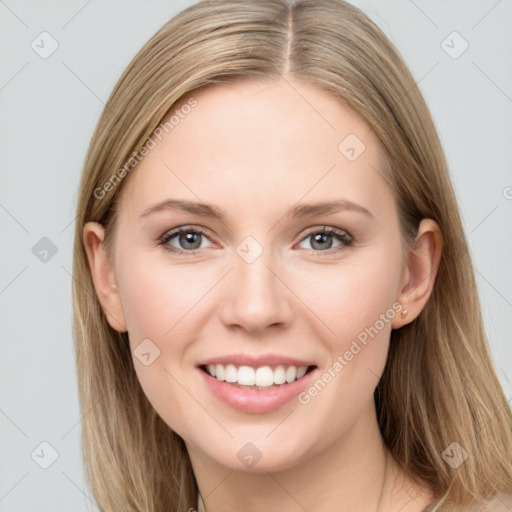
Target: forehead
(248,142)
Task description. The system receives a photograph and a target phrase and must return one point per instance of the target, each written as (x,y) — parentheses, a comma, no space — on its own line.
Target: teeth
(301,372)
(246,376)
(263,377)
(291,374)
(230,374)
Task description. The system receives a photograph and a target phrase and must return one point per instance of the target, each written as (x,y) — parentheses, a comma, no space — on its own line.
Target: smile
(278,385)
(264,377)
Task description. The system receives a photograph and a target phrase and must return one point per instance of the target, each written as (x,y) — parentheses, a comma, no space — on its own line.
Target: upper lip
(256,361)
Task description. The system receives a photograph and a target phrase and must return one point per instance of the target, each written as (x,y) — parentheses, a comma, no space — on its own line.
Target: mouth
(257,385)
(260,378)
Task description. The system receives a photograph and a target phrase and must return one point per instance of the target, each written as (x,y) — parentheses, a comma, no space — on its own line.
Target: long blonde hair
(439,385)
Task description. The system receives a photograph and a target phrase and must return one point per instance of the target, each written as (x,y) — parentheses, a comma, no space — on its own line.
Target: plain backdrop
(49,109)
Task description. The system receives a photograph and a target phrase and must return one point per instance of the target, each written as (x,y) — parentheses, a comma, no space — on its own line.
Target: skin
(255,150)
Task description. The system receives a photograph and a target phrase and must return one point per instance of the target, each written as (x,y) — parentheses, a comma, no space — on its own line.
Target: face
(257,279)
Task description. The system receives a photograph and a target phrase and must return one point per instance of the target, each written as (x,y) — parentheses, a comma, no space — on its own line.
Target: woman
(255,368)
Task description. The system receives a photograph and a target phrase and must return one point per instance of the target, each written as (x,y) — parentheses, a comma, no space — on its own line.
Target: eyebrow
(301,210)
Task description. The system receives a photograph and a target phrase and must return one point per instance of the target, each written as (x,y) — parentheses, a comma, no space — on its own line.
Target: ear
(419,275)
(102,275)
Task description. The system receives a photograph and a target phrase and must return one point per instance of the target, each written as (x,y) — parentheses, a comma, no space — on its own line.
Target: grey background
(49,109)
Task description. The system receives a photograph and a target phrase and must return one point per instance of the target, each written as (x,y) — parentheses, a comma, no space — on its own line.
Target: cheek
(161,303)
(355,302)
(352,296)
(157,297)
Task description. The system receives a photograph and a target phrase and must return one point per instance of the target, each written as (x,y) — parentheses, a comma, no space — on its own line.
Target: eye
(322,240)
(190,239)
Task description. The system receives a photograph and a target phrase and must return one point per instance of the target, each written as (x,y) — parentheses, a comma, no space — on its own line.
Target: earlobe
(422,265)
(102,274)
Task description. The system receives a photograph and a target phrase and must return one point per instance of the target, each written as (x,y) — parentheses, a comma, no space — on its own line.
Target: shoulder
(501,502)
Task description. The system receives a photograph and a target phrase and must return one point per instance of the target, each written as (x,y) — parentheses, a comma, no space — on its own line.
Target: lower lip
(252,400)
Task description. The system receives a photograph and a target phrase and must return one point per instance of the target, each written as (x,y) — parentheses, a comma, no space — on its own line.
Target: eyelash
(346,239)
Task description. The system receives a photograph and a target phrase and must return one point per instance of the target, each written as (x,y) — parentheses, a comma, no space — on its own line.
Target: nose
(256,295)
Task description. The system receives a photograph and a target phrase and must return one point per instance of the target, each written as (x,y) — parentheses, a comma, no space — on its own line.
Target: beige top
(200,503)
(501,503)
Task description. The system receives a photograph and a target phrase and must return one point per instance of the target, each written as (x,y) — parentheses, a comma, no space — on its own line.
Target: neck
(356,473)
